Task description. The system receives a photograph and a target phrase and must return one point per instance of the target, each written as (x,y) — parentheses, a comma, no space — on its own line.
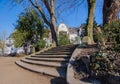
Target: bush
(105,63)
(98,35)
(112,33)
(41,44)
(102,63)
(85,39)
(63,39)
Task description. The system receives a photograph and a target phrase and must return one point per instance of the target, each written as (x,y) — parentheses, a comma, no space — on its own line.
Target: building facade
(71,32)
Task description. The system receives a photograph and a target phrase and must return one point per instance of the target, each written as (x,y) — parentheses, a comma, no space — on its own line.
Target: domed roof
(62,27)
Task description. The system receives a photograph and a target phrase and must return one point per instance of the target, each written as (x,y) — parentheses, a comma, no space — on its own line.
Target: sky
(74,18)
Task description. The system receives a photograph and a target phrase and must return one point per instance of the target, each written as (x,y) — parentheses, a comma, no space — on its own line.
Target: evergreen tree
(29,28)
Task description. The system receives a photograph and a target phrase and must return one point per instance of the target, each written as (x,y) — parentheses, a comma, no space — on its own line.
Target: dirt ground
(10,73)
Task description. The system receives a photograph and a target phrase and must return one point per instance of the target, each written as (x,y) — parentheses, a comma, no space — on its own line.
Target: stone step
(62,49)
(54,53)
(51,71)
(45,63)
(49,59)
(59,51)
(51,56)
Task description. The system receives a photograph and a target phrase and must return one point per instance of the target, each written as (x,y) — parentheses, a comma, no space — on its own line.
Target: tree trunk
(110,11)
(54,37)
(53,25)
(49,4)
(91,9)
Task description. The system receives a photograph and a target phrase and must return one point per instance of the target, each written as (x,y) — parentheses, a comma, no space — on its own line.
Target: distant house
(9,48)
(48,39)
(62,28)
(71,32)
(9,42)
(5,47)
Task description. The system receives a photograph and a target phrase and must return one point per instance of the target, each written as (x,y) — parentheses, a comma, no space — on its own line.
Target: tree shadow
(58,81)
(88,46)
(80,66)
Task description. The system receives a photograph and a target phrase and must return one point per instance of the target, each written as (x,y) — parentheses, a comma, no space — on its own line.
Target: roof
(73,30)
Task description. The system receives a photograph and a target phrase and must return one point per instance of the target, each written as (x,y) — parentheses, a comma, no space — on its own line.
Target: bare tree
(50,8)
(2,42)
(46,9)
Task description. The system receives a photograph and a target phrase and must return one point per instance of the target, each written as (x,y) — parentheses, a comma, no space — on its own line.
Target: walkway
(52,62)
(12,74)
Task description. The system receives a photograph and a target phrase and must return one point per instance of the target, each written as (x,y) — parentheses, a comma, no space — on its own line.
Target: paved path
(10,73)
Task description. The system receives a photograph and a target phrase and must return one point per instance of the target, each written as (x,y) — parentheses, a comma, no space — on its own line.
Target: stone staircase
(52,62)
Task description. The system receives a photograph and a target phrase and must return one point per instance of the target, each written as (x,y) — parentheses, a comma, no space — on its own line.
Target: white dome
(62,27)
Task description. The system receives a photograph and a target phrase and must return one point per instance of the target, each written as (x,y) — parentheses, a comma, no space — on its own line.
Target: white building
(71,32)
(9,48)
(62,28)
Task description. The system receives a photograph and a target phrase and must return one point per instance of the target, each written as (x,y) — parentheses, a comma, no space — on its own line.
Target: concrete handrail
(70,71)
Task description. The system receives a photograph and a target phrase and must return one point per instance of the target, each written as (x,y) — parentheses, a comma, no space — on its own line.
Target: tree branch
(38,7)
(47,4)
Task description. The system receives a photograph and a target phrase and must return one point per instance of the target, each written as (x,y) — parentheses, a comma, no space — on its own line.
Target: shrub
(112,33)
(102,63)
(41,44)
(85,39)
(98,35)
(105,63)
(63,39)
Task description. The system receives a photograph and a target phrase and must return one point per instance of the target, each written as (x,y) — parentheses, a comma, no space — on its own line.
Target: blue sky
(9,14)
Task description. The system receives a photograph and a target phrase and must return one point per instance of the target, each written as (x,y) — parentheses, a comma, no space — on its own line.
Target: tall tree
(46,9)
(29,28)
(110,11)
(2,42)
(91,9)
(50,8)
